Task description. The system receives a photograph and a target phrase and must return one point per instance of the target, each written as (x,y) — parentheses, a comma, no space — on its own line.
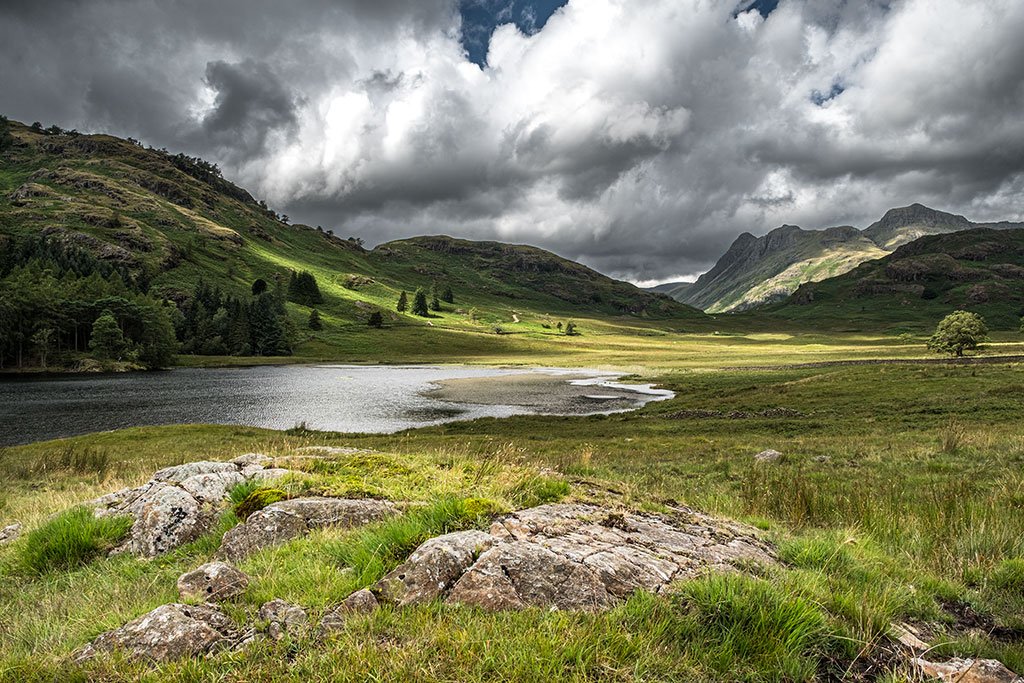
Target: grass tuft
(71,539)
(1009,575)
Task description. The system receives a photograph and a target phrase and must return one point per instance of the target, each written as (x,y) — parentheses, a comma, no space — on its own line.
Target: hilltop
(980,270)
(159,227)
(756,271)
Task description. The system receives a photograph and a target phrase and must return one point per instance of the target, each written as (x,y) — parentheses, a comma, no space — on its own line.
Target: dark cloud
(640,142)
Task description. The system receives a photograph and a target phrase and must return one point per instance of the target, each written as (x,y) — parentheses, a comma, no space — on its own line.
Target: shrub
(71,539)
(257,500)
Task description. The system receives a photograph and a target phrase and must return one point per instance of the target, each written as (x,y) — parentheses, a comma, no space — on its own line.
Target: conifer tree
(419,303)
(314,320)
(403,302)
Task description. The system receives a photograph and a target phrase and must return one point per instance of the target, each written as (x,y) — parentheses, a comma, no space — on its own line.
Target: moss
(257,500)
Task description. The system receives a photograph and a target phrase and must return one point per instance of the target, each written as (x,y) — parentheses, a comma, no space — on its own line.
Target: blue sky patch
(481,17)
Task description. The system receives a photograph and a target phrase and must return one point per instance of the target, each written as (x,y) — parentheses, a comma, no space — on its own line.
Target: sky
(639,137)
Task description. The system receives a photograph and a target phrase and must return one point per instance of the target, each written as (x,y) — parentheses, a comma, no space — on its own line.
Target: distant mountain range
(756,271)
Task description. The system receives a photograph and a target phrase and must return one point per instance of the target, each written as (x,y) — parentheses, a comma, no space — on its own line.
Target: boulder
(259,459)
(169,517)
(283,618)
(212,582)
(168,632)
(263,529)
(343,512)
(179,473)
(211,487)
(967,671)
(572,557)
(770,455)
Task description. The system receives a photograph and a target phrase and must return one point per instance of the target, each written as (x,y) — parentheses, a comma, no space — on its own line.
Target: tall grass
(71,539)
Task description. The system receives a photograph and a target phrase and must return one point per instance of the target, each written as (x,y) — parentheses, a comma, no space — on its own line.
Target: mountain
(152,226)
(978,269)
(761,270)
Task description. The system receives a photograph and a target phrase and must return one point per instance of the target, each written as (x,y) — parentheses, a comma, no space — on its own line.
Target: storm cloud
(638,138)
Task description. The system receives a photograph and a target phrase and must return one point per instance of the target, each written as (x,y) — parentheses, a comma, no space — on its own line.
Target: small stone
(967,671)
(283,618)
(360,602)
(907,636)
(212,582)
(821,459)
(10,533)
(769,455)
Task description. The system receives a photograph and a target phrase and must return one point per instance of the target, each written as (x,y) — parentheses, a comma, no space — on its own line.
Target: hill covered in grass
(762,270)
(162,231)
(979,270)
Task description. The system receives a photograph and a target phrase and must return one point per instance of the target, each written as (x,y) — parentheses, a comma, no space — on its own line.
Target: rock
(179,473)
(283,618)
(967,671)
(169,518)
(331,450)
(268,475)
(360,602)
(212,582)
(434,567)
(821,459)
(258,459)
(211,487)
(573,557)
(343,512)
(769,455)
(169,632)
(10,533)
(906,636)
(263,529)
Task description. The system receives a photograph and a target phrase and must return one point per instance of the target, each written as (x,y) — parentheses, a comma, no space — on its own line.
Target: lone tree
(447,295)
(403,302)
(435,303)
(419,303)
(107,341)
(314,320)
(259,285)
(959,331)
(376,320)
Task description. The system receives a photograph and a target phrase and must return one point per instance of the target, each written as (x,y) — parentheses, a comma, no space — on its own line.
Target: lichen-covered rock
(212,582)
(169,632)
(573,557)
(290,519)
(283,618)
(434,567)
(169,517)
(263,529)
(213,486)
(361,601)
(179,473)
(246,459)
(266,475)
(10,533)
(770,455)
(967,671)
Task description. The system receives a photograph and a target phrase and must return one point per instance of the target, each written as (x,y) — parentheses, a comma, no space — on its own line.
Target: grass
(900,497)
(72,539)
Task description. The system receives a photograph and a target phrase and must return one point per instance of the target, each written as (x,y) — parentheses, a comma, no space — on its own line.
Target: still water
(328,397)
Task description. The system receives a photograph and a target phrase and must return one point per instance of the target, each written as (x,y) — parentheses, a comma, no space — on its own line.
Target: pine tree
(419,303)
(376,320)
(403,302)
(435,303)
(107,341)
(268,334)
(447,295)
(314,320)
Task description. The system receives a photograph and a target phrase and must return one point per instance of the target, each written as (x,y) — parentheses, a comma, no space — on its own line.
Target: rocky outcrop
(168,632)
(289,519)
(573,557)
(180,503)
(212,582)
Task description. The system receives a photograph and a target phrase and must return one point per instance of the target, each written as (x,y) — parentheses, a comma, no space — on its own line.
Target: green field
(900,497)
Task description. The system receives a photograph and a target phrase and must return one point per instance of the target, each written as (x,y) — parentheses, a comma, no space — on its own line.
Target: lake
(344,398)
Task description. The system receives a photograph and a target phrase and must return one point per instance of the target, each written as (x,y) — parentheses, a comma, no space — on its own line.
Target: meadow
(899,498)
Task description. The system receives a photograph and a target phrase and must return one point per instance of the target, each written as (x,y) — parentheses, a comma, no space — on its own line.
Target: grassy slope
(111,196)
(980,270)
(918,504)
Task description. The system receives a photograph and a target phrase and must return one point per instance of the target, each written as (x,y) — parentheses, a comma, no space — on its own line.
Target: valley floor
(899,497)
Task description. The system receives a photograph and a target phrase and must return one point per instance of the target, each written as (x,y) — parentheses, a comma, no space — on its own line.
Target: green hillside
(153,225)
(980,270)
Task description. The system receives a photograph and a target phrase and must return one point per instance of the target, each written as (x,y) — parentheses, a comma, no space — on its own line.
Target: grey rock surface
(283,618)
(212,582)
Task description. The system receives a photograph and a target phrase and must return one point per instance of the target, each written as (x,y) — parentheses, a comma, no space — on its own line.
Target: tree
(959,331)
(6,140)
(302,289)
(259,286)
(419,303)
(403,302)
(314,320)
(107,341)
(447,295)
(268,333)
(376,320)
(435,303)
(570,329)
(43,340)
